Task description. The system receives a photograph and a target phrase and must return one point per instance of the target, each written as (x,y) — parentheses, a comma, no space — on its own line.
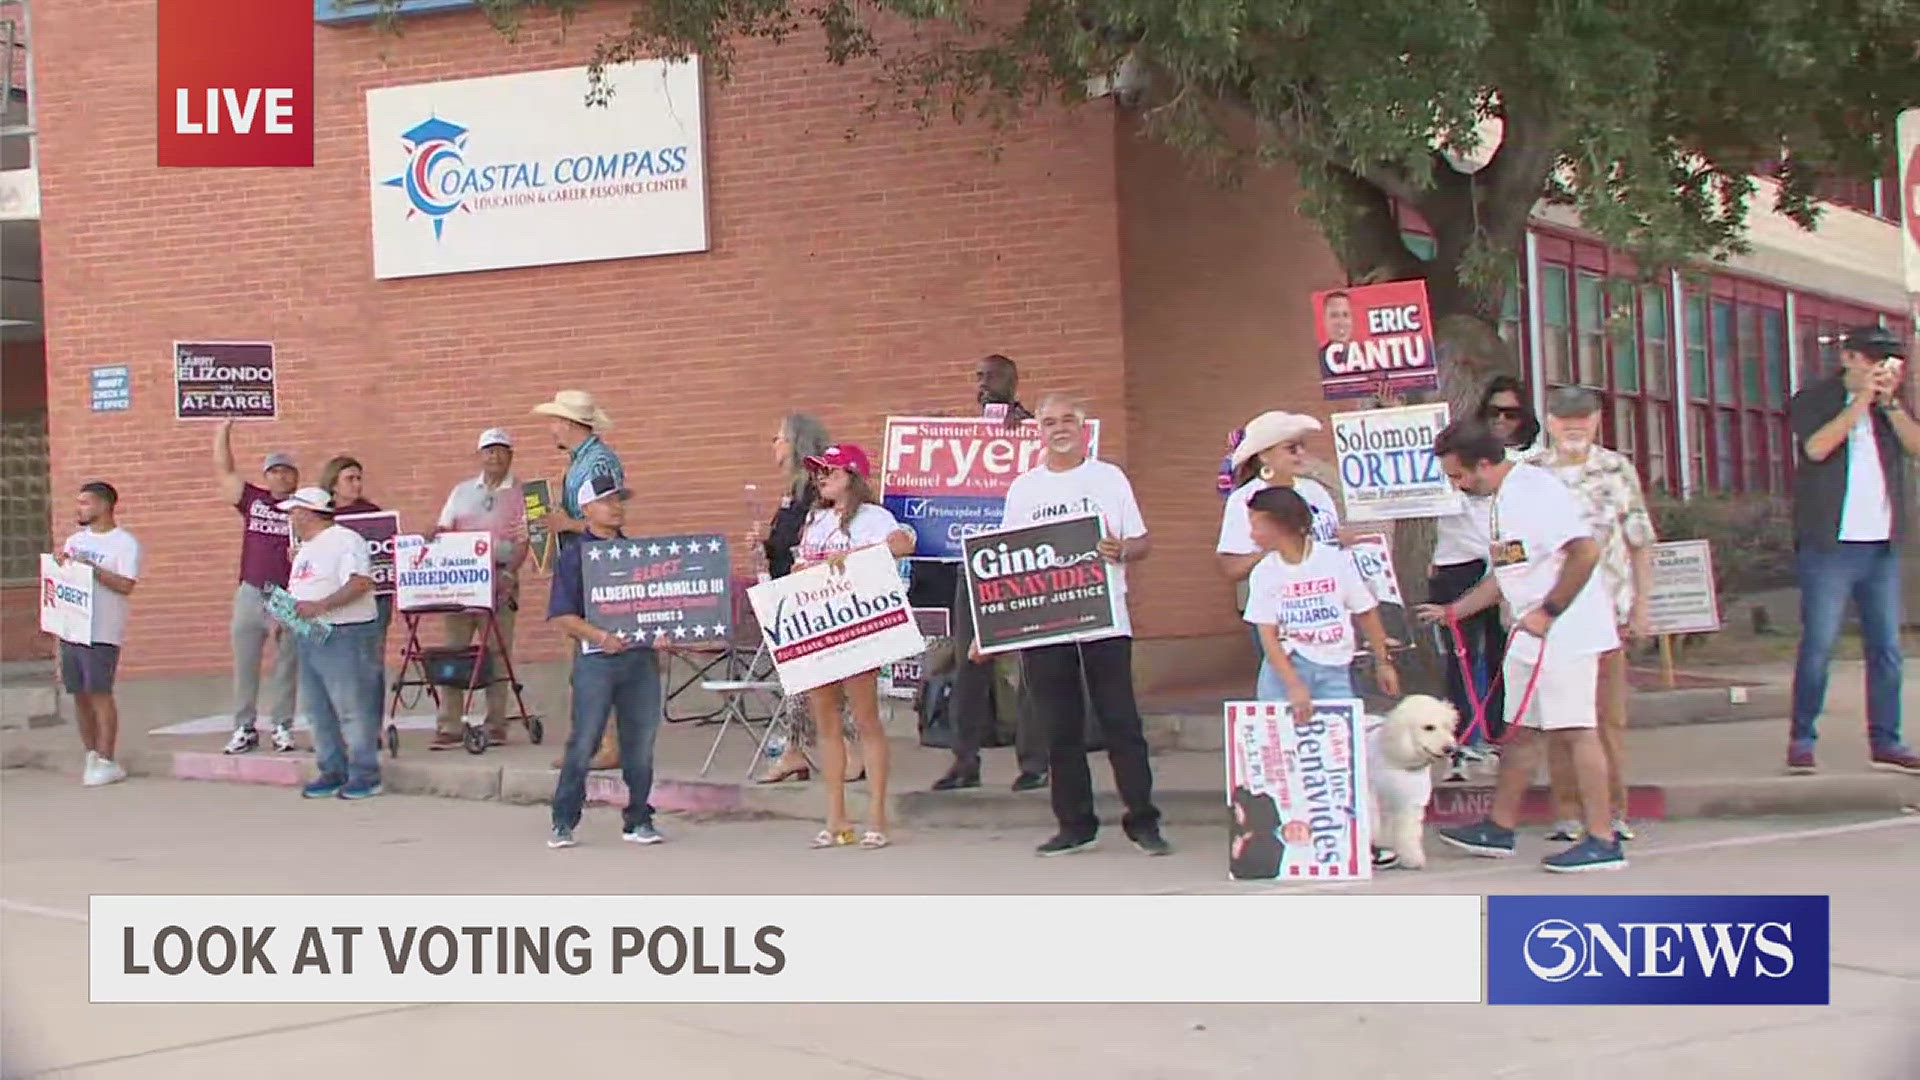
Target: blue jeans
(1325,682)
(628,685)
(1870,574)
(336,682)
(377,650)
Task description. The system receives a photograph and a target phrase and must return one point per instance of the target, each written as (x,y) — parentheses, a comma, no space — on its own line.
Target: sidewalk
(1679,770)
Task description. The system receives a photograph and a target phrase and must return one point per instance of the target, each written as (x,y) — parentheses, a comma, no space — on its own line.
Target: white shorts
(1566,696)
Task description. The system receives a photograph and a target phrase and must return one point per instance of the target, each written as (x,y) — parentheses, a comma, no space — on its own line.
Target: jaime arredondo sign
(1375,338)
(1298,793)
(66,599)
(823,624)
(1038,585)
(639,587)
(378,530)
(1386,462)
(223,381)
(452,570)
(946,478)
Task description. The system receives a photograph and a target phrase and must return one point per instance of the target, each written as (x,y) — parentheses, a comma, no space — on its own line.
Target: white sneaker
(90,773)
(283,738)
(110,773)
(244,741)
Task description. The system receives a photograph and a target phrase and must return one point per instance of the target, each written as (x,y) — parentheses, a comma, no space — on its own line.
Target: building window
(1556,325)
(1738,390)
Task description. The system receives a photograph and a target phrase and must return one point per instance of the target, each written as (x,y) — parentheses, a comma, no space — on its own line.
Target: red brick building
(856,267)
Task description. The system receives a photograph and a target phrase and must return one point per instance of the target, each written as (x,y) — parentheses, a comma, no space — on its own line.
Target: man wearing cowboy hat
(575,423)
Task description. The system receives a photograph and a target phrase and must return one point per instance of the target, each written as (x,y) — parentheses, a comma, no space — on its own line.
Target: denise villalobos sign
(517,170)
(823,624)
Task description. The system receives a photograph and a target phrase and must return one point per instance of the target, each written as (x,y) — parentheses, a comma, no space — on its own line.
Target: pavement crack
(278,1029)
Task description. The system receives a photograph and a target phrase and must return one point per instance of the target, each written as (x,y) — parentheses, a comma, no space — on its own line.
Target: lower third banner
(388,949)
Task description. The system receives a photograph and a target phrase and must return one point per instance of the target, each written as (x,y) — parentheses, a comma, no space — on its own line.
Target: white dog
(1402,748)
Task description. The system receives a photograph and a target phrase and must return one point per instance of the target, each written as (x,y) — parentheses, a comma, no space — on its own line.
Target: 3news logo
(235,83)
(1657,950)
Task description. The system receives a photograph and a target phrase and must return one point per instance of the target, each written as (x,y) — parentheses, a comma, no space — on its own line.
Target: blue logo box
(1657,950)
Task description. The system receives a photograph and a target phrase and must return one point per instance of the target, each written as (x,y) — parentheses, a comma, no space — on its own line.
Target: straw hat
(1270,429)
(577,406)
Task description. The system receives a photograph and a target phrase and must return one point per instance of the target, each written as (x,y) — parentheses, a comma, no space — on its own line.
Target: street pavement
(59,843)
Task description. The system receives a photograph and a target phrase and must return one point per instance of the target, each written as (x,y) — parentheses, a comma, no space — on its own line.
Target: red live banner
(235,83)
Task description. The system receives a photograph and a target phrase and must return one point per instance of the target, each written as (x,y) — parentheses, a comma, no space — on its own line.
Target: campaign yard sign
(1298,793)
(452,570)
(1375,338)
(223,380)
(378,529)
(539,496)
(903,678)
(66,599)
(822,624)
(1373,556)
(1038,585)
(638,588)
(946,478)
(1386,463)
(1681,598)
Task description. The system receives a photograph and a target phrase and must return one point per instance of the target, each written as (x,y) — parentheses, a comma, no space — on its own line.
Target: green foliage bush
(1752,537)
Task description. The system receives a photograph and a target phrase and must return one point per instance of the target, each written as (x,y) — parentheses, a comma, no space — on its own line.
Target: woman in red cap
(846,518)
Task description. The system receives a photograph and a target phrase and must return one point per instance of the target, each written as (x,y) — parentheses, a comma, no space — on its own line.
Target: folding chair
(758,678)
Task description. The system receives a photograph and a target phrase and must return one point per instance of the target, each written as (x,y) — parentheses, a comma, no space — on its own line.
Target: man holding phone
(1849,496)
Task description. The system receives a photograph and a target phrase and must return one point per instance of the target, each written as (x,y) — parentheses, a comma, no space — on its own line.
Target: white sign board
(66,600)
(1386,463)
(822,625)
(1681,598)
(517,170)
(453,570)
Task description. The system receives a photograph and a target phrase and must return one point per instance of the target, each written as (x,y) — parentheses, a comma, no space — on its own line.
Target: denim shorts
(1325,682)
(88,669)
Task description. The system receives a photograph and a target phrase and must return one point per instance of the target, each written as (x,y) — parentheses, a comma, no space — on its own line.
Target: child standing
(1302,599)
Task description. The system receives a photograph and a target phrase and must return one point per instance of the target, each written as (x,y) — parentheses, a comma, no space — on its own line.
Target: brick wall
(848,277)
(1218,329)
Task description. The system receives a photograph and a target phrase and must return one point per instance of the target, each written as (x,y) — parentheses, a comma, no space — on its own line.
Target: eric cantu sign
(1038,585)
(781,949)
(639,587)
(823,625)
(1374,338)
(378,530)
(517,170)
(1298,792)
(947,478)
(452,570)
(223,380)
(1386,462)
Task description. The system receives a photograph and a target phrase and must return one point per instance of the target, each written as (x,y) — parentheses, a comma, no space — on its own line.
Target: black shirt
(1820,487)
(783,533)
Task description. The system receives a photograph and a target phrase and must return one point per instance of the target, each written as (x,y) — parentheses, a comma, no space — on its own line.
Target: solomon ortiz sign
(673,585)
(1038,585)
(223,380)
(823,624)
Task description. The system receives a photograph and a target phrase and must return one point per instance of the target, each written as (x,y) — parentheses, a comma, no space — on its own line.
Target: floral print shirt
(1608,487)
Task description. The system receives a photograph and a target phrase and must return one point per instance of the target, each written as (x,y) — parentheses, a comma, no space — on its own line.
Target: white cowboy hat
(1270,429)
(577,406)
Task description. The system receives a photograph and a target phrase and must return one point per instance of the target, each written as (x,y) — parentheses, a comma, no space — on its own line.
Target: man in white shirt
(491,503)
(1069,483)
(332,586)
(88,670)
(1849,496)
(1543,556)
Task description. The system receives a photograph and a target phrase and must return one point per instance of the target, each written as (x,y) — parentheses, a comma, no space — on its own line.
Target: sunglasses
(1297,446)
(1505,412)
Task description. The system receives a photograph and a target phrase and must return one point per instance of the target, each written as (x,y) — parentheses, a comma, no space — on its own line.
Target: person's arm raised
(225,477)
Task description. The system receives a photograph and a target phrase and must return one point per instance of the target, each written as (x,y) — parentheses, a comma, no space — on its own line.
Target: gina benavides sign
(518,170)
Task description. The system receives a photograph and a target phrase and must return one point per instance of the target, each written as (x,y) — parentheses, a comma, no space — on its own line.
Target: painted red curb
(248,769)
(692,796)
(1464,805)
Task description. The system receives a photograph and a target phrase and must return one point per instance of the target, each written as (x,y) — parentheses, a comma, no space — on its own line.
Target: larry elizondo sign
(747,949)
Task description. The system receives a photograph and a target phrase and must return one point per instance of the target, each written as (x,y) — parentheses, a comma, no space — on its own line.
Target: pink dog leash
(1478,722)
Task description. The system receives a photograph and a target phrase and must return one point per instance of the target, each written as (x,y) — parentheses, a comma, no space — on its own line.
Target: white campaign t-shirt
(1866,515)
(1533,518)
(1312,602)
(823,536)
(115,551)
(1464,537)
(321,568)
(1092,487)
(1236,527)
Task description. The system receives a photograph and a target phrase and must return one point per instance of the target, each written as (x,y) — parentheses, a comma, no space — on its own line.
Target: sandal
(791,772)
(828,838)
(874,840)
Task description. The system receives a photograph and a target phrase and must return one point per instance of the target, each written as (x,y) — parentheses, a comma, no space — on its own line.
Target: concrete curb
(986,807)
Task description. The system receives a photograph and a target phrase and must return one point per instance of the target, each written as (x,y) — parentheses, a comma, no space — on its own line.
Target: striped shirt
(591,458)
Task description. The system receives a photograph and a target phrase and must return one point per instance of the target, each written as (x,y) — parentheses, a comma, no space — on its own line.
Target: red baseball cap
(841,456)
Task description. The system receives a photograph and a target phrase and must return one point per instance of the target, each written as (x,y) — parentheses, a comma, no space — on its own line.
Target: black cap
(1875,341)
